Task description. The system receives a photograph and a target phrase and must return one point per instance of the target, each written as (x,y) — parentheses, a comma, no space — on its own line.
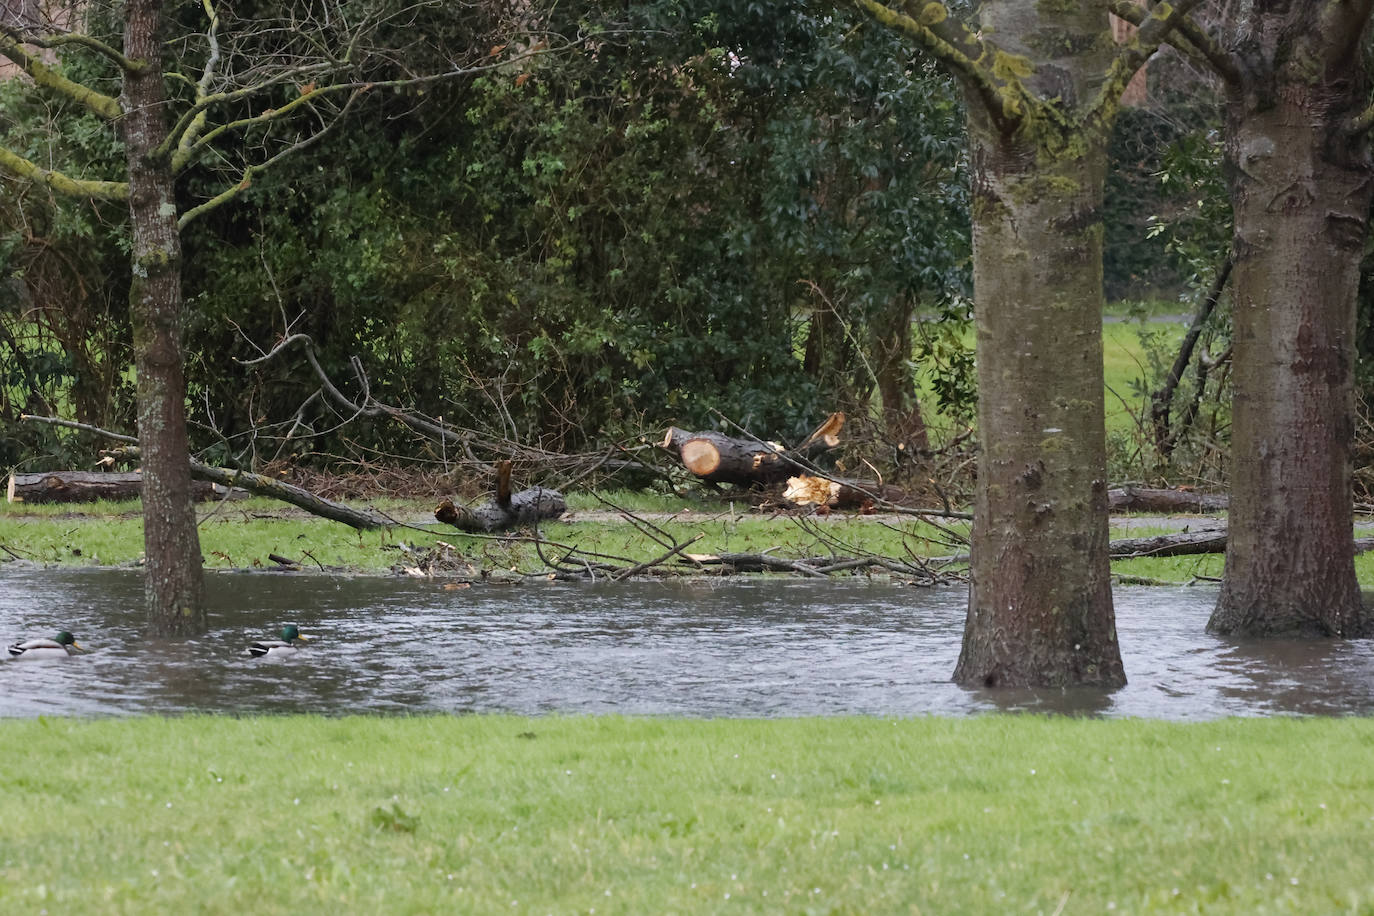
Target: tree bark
(1300,186)
(1040,602)
(174,584)
(1145,499)
(718,458)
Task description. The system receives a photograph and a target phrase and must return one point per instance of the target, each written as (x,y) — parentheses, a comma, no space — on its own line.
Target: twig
(640,567)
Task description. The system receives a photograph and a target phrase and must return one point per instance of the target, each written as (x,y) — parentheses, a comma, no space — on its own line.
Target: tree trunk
(1300,190)
(1040,602)
(174,584)
(903,423)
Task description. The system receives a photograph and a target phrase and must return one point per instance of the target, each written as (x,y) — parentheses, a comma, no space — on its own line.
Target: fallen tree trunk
(1170,545)
(361,519)
(507,510)
(1187,544)
(717,458)
(254,483)
(1145,499)
(89,486)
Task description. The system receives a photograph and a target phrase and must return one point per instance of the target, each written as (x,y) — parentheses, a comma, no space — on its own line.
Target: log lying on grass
(507,510)
(1188,543)
(1145,499)
(89,486)
(717,458)
(254,483)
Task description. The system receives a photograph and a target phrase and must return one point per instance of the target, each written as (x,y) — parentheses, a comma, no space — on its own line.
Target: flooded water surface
(755,647)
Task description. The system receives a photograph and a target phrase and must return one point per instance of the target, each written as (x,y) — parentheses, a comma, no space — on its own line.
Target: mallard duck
(290,641)
(60,646)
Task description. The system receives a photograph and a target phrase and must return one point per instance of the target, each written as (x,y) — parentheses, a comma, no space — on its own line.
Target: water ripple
(702,648)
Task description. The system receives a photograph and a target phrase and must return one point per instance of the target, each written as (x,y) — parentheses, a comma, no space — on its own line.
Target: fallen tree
(1187,544)
(466,444)
(506,510)
(362,519)
(1146,499)
(89,486)
(720,459)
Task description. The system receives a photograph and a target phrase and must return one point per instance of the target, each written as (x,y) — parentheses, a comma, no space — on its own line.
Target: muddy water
(735,648)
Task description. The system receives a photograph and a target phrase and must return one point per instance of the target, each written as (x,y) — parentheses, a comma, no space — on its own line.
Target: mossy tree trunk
(174,581)
(1043,82)
(1040,600)
(1300,175)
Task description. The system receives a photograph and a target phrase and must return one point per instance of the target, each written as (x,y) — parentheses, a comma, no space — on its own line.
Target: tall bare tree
(244,94)
(1043,83)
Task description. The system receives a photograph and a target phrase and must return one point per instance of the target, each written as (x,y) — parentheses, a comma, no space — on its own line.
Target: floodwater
(740,647)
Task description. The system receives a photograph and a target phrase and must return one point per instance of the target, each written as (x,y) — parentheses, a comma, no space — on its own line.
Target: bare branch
(1153,31)
(53,42)
(264,486)
(1188,37)
(63,184)
(252,171)
(960,50)
(97,103)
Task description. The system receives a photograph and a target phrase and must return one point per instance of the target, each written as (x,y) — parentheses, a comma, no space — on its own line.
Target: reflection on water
(701,648)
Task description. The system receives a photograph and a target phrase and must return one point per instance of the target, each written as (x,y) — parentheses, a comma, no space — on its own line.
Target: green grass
(1124,362)
(239,538)
(243,535)
(574,815)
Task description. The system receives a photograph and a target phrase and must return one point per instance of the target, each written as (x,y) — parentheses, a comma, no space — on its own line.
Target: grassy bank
(245,533)
(607,815)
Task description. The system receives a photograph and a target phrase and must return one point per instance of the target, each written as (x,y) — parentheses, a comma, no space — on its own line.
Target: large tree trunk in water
(174,584)
(1040,602)
(1300,188)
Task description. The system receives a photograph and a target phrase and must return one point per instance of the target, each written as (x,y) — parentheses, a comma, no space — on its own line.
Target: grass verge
(608,815)
(111,534)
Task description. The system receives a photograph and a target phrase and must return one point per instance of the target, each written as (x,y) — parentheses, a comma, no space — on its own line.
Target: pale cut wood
(700,456)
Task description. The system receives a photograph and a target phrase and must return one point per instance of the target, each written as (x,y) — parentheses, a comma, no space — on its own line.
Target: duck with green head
(60,646)
(291,640)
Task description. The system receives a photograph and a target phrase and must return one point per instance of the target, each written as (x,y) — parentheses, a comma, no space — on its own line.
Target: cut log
(537,504)
(1187,544)
(718,458)
(1170,545)
(506,510)
(89,486)
(1144,499)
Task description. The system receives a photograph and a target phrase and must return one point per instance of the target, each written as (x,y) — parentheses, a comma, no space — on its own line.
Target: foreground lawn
(607,815)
